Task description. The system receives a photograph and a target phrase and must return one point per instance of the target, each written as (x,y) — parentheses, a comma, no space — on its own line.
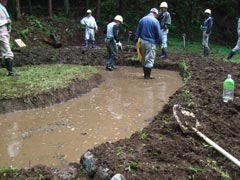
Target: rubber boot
(230,55)
(164,53)
(9,66)
(144,72)
(86,43)
(93,44)
(205,52)
(148,73)
(110,64)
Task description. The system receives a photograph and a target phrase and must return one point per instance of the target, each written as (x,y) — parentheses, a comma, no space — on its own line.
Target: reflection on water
(14,143)
(56,135)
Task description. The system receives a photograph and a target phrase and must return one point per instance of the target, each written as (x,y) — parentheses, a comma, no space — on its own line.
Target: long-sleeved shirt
(149,29)
(238,28)
(207,24)
(89,22)
(165,19)
(112,31)
(4,16)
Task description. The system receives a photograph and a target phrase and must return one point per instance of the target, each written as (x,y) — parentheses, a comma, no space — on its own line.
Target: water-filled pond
(123,104)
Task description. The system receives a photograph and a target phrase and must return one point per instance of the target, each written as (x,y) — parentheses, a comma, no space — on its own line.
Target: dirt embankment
(162,150)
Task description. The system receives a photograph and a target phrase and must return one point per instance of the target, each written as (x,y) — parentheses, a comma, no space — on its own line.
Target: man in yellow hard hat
(165,21)
(206,28)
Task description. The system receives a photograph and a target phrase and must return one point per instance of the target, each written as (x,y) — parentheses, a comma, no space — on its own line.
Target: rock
(102,174)
(89,163)
(66,173)
(118,177)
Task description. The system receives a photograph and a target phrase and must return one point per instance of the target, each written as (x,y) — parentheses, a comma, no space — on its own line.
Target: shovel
(185,127)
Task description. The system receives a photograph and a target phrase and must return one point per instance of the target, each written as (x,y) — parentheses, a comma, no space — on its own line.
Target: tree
(30,6)
(18,9)
(66,7)
(98,10)
(50,13)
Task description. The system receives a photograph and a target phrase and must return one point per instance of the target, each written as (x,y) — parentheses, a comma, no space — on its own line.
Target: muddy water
(59,134)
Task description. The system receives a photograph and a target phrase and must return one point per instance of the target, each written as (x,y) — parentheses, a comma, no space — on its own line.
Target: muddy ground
(161,150)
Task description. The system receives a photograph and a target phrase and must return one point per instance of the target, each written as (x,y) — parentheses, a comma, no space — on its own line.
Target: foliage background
(187,15)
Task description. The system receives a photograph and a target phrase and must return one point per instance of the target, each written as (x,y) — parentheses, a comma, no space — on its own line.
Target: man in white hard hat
(165,21)
(206,28)
(112,41)
(150,34)
(237,47)
(5,48)
(90,28)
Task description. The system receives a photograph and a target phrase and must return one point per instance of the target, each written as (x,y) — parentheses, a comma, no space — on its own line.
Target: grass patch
(176,45)
(5,172)
(34,80)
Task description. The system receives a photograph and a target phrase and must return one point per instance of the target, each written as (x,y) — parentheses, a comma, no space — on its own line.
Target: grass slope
(33,80)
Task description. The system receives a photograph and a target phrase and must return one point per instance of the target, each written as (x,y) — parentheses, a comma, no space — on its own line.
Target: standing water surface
(123,104)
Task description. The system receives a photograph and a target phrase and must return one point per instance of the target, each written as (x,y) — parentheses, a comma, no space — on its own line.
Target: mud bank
(162,150)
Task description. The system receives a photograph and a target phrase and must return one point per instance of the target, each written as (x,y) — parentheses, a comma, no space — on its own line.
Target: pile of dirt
(168,153)
(162,150)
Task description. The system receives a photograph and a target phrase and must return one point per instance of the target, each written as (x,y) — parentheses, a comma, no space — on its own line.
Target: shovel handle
(217,147)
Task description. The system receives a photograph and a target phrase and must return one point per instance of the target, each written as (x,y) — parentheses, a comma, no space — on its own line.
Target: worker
(5,48)
(112,41)
(237,47)
(150,34)
(90,28)
(206,29)
(165,21)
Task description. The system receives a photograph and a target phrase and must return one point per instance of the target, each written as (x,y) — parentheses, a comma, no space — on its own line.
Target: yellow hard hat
(163,5)
(118,18)
(208,11)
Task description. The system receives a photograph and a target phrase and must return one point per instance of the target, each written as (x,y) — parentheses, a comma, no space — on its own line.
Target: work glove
(165,27)
(119,45)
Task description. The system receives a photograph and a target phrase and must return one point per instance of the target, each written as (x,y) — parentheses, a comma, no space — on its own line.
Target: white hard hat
(154,10)
(89,11)
(163,5)
(208,11)
(118,18)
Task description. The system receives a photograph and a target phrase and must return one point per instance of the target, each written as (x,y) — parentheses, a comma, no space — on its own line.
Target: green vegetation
(185,66)
(9,171)
(132,165)
(195,170)
(144,136)
(213,165)
(34,80)
(36,28)
(176,45)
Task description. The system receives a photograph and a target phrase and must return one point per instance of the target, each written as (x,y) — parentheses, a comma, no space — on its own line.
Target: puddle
(56,135)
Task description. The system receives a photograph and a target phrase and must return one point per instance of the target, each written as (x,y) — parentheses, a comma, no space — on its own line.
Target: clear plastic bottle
(228,89)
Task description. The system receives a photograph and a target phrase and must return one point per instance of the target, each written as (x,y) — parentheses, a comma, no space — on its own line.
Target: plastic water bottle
(228,89)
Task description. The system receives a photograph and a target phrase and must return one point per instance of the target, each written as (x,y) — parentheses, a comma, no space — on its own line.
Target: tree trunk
(87,4)
(66,7)
(50,13)
(122,7)
(18,9)
(156,3)
(30,6)
(98,10)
